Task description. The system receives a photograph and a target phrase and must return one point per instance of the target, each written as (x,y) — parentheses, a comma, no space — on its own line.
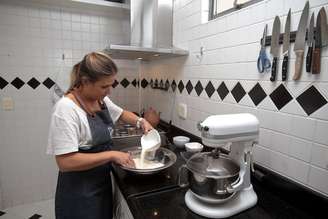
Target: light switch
(7,103)
(182,110)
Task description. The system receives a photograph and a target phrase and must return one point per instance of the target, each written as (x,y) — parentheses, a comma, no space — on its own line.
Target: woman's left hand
(145,125)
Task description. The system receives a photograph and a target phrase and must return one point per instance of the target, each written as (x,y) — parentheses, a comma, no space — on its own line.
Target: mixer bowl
(211,179)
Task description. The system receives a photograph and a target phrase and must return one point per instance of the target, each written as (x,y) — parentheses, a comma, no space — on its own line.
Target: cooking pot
(211,178)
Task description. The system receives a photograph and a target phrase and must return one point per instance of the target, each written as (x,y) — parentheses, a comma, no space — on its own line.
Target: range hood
(151,32)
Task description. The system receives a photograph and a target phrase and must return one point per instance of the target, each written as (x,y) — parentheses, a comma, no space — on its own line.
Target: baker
(80,138)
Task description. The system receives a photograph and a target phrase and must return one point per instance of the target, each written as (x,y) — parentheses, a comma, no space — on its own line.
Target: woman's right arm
(77,161)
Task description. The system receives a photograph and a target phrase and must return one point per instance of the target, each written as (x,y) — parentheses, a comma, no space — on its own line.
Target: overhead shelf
(103,3)
(88,4)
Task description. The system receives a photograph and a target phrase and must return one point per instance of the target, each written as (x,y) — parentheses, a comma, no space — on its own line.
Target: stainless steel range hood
(151,32)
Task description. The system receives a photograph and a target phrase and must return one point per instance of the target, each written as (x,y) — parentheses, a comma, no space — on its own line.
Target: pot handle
(183,176)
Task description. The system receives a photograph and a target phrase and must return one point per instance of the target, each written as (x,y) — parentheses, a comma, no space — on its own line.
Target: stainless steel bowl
(212,180)
(162,155)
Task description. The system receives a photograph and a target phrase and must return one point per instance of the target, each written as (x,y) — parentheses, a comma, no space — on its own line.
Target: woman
(80,137)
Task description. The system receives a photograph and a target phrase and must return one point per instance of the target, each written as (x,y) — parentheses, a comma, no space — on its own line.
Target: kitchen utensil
(194,147)
(220,184)
(212,179)
(263,62)
(321,40)
(180,141)
(150,142)
(310,43)
(275,47)
(285,47)
(162,155)
(300,42)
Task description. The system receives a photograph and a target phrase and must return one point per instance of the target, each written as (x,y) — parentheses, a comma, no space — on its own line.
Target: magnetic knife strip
(281,37)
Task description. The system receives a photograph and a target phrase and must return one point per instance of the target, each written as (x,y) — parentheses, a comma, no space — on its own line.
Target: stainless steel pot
(210,177)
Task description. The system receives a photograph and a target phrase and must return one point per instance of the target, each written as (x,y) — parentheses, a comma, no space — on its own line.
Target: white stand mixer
(240,131)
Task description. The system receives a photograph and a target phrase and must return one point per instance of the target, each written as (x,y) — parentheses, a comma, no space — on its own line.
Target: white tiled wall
(33,37)
(291,143)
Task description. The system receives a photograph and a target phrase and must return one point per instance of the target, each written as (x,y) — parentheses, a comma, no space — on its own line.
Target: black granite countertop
(159,196)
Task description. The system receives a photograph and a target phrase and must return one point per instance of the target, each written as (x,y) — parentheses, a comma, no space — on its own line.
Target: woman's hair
(92,68)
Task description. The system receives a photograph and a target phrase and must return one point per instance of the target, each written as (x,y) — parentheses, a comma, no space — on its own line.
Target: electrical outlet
(182,110)
(7,103)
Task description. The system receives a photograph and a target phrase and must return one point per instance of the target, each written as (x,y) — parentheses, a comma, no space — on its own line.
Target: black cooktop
(133,185)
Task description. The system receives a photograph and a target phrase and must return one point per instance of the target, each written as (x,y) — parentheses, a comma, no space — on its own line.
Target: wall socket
(7,103)
(182,110)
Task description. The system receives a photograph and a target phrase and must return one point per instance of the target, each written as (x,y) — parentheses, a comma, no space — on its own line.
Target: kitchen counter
(159,196)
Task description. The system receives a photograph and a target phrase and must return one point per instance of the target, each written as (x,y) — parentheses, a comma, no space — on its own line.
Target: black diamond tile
(115,84)
(134,83)
(17,82)
(257,94)
(167,84)
(156,83)
(199,88)
(35,216)
(2,213)
(174,85)
(48,83)
(3,83)
(161,83)
(151,83)
(209,89)
(33,83)
(280,96)
(311,100)
(189,87)
(125,83)
(144,83)
(222,90)
(238,92)
(180,86)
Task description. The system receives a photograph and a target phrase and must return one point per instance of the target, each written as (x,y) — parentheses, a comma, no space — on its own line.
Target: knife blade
(275,47)
(321,40)
(285,47)
(300,41)
(310,43)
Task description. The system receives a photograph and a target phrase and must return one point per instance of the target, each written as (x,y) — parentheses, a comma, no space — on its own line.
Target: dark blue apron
(88,194)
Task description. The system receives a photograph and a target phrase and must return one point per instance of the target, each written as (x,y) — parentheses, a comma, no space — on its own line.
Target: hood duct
(151,24)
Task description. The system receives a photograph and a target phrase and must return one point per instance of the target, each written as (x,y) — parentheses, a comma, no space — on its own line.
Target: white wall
(33,37)
(291,142)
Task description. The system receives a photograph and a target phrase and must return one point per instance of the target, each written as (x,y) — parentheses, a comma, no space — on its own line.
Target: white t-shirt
(69,126)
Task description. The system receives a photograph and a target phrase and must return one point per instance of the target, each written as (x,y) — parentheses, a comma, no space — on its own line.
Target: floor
(42,210)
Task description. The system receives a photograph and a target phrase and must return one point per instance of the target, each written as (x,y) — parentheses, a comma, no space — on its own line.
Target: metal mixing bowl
(162,155)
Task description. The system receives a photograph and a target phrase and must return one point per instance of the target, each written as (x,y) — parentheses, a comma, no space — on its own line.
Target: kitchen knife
(285,47)
(310,43)
(275,47)
(321,40)
(300,42)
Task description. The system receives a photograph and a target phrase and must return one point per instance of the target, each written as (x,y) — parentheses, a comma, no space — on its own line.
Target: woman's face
(99,89)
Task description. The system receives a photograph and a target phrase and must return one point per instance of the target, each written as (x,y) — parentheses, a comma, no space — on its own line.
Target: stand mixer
(220,185)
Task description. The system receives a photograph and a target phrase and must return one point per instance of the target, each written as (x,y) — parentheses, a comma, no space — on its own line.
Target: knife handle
(285,67)
(274,69)
(298,64)
(309,59)
(316,61)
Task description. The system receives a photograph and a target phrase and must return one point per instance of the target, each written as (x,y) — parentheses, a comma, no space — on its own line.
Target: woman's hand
(146,126)
(123,159)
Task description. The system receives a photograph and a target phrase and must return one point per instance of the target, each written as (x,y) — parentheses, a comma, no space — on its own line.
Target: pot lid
(208,164)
